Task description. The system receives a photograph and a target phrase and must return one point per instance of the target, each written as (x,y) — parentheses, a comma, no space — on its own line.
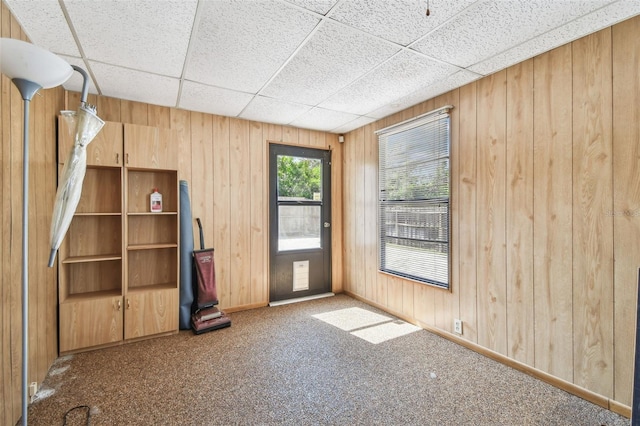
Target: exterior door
(300,222)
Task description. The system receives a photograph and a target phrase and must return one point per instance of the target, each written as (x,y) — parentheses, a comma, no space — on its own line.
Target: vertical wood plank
(39,221)
(159,116)
(259,221)
(491,215)
(424,308)
(201,166)
(290,135)
(552,223)
(337,229)
(304,137)
(626,200)
(240,223)
(358,223)
(221,208)
(108,108)
(317,139)
(134,112)
(6,377)
(370,212)
(273,132)
(181,122)
(448,302)
(467,188)
(348,147)
(519,208)
(592,227)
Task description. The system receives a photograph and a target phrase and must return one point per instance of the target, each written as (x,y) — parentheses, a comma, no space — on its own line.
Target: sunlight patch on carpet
(387,331)
(370,326)
(352,318)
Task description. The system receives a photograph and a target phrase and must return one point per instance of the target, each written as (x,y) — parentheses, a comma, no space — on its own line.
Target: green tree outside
(299,177)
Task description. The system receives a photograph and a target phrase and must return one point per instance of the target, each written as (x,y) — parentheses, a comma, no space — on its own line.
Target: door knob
(327,225)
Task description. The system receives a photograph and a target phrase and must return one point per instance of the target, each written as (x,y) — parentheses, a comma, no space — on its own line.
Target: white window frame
(416,246)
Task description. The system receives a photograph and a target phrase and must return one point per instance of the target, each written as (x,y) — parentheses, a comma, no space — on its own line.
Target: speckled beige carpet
(333,361)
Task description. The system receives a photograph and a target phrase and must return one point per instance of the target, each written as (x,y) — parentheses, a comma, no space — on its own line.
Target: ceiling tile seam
(564,24)
(199,83)
(335,7)
(194,29)
(74,34)
(475,4)
(302,9)
(286,62)
(132,69)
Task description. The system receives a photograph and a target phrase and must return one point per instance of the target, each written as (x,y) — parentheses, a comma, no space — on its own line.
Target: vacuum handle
(201,233)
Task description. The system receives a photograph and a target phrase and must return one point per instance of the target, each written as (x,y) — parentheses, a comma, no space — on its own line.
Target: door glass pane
(298,227)
(299,178)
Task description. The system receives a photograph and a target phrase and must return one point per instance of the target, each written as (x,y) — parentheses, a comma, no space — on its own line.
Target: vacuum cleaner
(206,316)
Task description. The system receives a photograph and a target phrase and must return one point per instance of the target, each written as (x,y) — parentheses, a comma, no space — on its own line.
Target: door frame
(275,148)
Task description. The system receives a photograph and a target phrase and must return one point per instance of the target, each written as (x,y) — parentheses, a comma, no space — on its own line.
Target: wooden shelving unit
(118,264)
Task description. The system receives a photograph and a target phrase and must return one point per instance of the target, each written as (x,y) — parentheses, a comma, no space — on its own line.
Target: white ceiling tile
(352,125)
(333,58)
(492,27)
(580,27)
(117,82)
(323,119)
(270,110)
(241,44)
(399,77)
(451,82)
(318,6)
(400,21)
(45,25)
(125,33)
(76,81)
(212,100)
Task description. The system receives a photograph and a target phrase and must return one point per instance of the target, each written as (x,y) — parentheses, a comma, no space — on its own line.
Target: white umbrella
(87,125)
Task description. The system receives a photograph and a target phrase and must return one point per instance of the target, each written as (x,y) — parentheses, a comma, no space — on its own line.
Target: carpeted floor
(333,361)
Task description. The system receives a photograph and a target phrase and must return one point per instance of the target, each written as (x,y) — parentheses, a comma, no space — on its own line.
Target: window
(414,198)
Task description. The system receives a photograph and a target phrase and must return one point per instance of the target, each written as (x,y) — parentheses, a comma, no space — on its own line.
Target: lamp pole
(27,90)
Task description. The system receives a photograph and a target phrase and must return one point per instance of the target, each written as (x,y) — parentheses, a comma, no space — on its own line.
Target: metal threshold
(300,299)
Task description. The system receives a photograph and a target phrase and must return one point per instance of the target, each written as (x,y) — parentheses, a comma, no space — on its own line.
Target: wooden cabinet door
(92,322)
(150,147)
(106,149)
(150,312)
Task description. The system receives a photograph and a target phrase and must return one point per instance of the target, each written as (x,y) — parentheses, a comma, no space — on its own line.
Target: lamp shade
(19,59)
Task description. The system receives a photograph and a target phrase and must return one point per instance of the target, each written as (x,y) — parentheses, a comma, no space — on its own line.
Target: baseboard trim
(569,387)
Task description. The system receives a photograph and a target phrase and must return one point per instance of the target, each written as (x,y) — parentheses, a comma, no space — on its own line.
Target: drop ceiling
(330,65)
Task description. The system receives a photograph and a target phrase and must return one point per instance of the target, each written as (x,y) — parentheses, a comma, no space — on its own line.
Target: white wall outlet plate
(457,326)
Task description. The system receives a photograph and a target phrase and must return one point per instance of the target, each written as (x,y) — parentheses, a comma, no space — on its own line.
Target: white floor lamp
(30,68)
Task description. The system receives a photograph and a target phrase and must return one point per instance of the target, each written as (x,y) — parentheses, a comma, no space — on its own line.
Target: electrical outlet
(33,389)
(457,326)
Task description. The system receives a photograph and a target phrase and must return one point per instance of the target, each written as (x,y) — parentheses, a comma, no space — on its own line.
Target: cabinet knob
(128,303)
(127,158)
(119,304)
(118,158)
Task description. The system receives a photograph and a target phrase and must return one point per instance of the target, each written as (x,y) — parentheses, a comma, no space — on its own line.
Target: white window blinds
(414,198)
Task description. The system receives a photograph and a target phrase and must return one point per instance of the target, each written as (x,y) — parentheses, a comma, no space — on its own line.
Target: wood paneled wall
(545,216)
(43,347)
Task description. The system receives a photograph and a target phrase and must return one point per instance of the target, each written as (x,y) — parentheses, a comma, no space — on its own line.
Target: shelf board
(93,258)
(151,246)
(145,288)
(92,295)
(97,214)
(170,213)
